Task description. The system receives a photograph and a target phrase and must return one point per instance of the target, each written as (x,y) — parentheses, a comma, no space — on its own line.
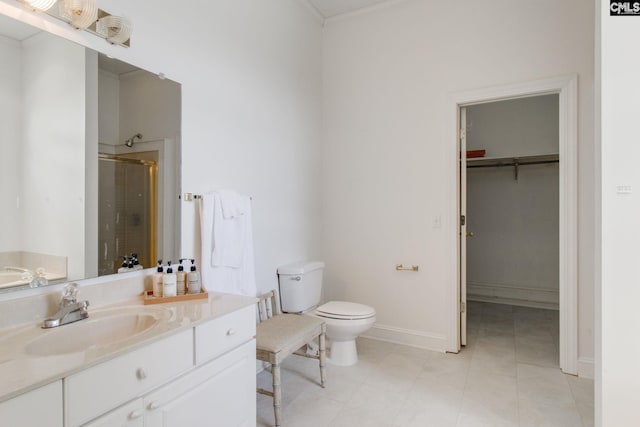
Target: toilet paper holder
(401,267)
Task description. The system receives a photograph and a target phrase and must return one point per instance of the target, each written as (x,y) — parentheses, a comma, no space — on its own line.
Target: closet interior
(513,202)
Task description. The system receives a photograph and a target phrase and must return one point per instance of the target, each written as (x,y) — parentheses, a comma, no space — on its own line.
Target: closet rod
(516,165)
(513,163)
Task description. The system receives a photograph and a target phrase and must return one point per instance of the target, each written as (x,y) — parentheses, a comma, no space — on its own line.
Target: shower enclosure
(127,211)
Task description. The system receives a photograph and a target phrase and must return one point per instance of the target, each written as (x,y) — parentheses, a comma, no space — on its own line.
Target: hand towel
(227,246)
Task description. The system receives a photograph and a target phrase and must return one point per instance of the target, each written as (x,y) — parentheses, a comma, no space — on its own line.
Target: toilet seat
(345,310)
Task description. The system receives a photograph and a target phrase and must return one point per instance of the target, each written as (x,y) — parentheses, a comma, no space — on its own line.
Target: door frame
(567,89)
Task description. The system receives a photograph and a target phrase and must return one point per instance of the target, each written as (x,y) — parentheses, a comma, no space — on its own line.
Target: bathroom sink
(100,330)
(11,278)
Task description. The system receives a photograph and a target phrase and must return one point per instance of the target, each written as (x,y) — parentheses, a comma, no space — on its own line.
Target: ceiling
(331,8)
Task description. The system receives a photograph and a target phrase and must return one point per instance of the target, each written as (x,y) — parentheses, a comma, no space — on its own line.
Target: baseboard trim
(514,295)
(586,368)
(407,337)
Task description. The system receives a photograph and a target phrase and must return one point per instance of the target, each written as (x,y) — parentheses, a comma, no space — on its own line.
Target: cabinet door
(128,415)
(220,393)
(37,408)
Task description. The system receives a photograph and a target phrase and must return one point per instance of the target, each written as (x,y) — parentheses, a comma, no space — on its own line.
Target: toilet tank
(300,285)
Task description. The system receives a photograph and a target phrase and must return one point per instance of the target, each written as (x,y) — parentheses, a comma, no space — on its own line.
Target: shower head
(129,142)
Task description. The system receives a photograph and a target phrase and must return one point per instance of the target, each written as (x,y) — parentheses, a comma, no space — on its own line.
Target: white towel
(227,245)
(232,204)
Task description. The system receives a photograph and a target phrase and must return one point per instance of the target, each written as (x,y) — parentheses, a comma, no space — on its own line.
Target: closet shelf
(515,162)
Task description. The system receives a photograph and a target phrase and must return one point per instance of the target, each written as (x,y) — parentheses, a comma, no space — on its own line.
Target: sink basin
(11,278)
(101,330)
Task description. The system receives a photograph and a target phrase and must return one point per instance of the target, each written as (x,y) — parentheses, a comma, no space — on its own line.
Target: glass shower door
(127,211)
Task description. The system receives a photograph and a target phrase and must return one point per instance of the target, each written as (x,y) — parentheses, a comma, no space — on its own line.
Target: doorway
(512,222)
(565,88)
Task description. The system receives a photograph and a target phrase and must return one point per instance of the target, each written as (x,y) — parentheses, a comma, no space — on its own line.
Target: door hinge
(463,307)
(463,219)
(463,133)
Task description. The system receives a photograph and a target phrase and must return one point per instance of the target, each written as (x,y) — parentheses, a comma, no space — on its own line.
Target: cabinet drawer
(40,407)
(128,415)
(224,333)
(96,390)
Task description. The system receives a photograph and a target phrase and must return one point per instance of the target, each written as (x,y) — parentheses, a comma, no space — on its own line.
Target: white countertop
(22,369)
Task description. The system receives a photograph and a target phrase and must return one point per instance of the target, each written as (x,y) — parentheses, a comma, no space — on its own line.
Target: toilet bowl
(345,322)
(300,290)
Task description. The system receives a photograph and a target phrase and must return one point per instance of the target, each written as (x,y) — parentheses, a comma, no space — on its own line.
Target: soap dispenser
(181,279)
(136,262)
(125,263)
(193,278)
(157,280)
(169,285)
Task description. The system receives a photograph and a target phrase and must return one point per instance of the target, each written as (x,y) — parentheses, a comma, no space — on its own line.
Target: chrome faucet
(69,310)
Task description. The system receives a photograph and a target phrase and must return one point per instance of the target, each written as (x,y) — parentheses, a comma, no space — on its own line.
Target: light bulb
(40,4)
(116,29)
(80,13)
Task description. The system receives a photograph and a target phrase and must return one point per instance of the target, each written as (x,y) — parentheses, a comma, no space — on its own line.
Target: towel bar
(190,197)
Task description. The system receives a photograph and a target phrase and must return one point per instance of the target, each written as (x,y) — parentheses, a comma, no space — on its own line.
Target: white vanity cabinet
(199,377)
(37,408)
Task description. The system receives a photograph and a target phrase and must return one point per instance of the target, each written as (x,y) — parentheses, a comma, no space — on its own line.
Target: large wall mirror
(89,170)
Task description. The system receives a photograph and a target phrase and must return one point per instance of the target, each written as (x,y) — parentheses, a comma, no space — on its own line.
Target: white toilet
(300,290)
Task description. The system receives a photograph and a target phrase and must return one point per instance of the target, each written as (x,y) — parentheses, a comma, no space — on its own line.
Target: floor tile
(507,376)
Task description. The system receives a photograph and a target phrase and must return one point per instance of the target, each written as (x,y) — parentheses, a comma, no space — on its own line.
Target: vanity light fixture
(115,29)
(85,15)
(79,13)
(41,5)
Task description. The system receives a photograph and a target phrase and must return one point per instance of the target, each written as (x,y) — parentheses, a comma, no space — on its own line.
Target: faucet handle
(69,294)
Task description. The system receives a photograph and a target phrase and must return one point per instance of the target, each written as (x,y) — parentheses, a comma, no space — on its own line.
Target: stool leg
(277,394)
(321,345)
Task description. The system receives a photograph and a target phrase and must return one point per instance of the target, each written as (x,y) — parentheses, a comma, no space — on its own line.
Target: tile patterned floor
(508,375)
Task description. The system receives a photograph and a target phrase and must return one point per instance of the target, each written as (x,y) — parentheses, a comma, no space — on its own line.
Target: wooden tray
(150,299)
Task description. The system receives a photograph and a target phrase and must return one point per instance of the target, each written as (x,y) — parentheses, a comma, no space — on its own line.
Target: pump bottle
(181,279)
(157,280)
(169,286)
(124,268)
(193,278)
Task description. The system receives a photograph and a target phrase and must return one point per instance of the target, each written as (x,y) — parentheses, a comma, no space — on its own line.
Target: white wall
(251,108)
(388,74)
(617,365)
(54,95)
(516,127)
(513,256)
(150,106)
(10,137)
(108,108)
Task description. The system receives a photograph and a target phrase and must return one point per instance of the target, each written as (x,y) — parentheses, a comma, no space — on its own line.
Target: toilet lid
(345,310)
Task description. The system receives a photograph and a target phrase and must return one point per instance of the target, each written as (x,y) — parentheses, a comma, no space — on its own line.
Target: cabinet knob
(135,414)
(231,332)
(141,374)
(154,405)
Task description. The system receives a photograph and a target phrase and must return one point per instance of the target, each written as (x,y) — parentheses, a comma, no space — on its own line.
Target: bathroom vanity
(189,363)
